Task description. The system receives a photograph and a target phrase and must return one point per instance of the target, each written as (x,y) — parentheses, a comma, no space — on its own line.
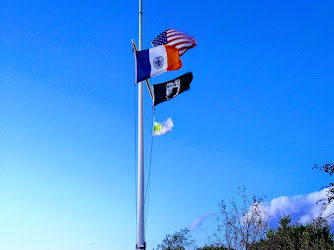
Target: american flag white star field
(176,38)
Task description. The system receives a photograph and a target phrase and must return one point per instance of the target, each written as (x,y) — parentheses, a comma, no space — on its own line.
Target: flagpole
(140,195)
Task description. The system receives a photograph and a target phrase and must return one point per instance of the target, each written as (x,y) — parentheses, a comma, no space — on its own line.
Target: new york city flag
(152,62)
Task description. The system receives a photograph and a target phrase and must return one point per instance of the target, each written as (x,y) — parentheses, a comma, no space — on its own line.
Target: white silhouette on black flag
(168,90)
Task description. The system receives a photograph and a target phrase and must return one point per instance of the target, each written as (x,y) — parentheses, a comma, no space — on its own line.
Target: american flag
(176,38)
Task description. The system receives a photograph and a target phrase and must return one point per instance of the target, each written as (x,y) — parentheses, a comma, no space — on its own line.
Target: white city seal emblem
(173,88)
(158,62)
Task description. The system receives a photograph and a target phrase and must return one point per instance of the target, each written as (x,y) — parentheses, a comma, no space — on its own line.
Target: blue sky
(259,113)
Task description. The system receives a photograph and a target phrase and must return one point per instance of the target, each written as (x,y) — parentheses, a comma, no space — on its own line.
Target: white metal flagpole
(140,196)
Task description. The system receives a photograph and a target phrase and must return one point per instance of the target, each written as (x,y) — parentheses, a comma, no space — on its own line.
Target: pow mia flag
(168,90)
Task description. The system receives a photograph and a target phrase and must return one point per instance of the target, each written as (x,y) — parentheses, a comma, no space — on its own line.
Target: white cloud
(199,221)
(302,208)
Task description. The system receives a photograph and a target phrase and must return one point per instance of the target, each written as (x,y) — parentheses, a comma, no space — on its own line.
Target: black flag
(168,90)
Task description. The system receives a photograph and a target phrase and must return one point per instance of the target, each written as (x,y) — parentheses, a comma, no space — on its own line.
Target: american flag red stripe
(175,38)
(180,40)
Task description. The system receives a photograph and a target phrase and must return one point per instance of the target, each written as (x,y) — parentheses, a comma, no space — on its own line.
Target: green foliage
(314,235)
(212,247)
(181,240)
